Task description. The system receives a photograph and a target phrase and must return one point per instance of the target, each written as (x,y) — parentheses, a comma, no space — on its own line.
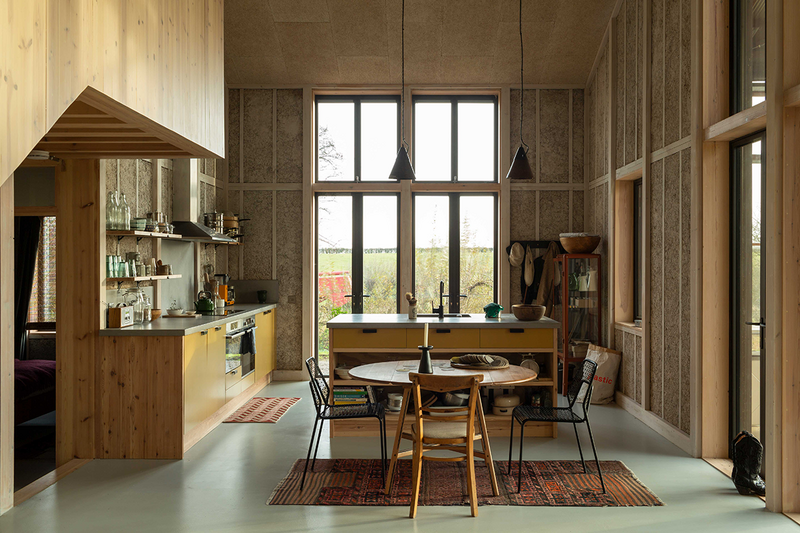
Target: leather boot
(747,455)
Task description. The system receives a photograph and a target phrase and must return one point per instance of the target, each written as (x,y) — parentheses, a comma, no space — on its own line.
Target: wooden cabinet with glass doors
(577,303)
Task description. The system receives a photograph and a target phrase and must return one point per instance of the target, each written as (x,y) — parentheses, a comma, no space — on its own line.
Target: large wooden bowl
(528,312)
(584,244)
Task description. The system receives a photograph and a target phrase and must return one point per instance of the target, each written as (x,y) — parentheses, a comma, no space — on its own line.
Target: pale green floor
(225,480)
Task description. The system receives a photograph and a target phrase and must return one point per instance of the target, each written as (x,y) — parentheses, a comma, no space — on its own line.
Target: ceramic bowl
(343,372)
(528,312)
(174,312)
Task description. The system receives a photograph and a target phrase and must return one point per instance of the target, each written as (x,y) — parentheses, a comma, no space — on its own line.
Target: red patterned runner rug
(544,483)
(268,410)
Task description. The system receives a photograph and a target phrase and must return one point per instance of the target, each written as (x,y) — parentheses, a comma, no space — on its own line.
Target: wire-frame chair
(325,410)
(582,379)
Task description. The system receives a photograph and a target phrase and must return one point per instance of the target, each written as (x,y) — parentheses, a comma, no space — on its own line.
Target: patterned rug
(544,483)
(267,410)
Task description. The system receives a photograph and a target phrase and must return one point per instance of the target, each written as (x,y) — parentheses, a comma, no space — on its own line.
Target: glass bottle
(125,212)
(117,216)
(148,309)
(135,297)
(110,210)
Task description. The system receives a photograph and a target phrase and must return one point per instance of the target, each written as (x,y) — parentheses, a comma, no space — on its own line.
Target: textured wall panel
(523,227)
(639,367)
(657,75)
(686,68)
(589,121)
(672,72)
(578,155)
(235,206)
(553,214)
(257,141)
(632,81)
(619,341)
(234,121)
(672,285)
(656,286)
(578,211)
(258,249)
(629,351)
(554,136)
(621,86)
(686,319)
(145,186)
(640,76)
(601,132)
(289,136)
(289,271)
(167,198)
(529,121)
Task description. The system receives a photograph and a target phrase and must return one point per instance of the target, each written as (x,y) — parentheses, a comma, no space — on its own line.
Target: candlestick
(425,335)
(425,365)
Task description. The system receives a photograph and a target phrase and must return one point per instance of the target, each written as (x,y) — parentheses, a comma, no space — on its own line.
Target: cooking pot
(504,404)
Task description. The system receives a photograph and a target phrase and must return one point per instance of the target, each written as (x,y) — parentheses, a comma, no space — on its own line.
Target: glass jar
(135,298)
(148,309)
(125,214)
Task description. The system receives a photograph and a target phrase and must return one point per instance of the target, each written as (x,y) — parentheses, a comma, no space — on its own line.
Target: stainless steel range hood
(187,218)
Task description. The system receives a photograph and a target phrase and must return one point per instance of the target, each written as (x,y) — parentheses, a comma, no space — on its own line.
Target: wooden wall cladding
(138,57)
(670,322)
(670,71)
(7,345)
(629,381)
(630,81)
(136,383)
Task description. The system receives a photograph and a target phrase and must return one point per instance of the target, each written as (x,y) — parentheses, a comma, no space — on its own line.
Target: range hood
(185,207)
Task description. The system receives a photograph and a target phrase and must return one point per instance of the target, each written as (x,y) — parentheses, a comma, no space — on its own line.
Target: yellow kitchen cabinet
(443,337)
(371,338)
(525,339)
(265,343)
(195,379)
(216,369)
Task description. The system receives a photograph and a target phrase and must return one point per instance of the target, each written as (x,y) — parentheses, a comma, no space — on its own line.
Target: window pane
(431,247)
(477,252)
(380,254)
(335,141)
(378,139)
(334,262)
(42,307)
(432,142)
(750,52)
(476,140)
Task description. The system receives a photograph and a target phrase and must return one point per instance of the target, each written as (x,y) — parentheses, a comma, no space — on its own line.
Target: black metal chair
(584,376)
(327,411)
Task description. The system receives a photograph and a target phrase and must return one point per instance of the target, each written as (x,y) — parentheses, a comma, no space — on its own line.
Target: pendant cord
(403,76)
(521,86)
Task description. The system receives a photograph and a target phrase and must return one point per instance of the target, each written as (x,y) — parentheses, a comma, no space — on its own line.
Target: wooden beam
(35,211)
(7,345)
(739,125)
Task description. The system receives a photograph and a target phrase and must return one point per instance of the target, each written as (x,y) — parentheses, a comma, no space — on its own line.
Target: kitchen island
(164,385)
(370,338)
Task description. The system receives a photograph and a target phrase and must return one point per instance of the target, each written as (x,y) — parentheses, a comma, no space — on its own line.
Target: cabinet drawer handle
(267,312)
(516,330)
(204,333)
(442,331)
(217,328)
(369,331)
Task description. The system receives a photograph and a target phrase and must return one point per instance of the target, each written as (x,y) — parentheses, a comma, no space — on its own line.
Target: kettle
(205,301)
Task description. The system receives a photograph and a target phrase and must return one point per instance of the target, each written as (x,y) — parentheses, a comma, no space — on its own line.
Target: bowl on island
(528,312)
(174,312)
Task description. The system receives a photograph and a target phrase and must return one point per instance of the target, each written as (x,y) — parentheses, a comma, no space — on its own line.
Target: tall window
(637,250)
(357,137)
(748,53)
(43,296)
(455,138)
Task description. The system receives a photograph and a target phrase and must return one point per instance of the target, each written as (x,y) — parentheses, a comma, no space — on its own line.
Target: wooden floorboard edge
(657,424)
(206,426)
(32,489)
(794,517)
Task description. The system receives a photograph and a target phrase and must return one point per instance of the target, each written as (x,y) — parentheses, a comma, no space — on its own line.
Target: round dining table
(397,373)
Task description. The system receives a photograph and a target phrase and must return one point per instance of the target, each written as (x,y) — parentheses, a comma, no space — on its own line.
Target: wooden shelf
(142,278)
(142,234)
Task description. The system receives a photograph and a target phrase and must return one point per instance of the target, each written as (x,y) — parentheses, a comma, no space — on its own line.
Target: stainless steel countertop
(180,327)
(477,320)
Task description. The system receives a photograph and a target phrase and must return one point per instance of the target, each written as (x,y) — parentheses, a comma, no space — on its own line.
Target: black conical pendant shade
(402,166)
(520,168)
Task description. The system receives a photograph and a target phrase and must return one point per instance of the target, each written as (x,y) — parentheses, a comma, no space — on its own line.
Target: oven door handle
(237,335)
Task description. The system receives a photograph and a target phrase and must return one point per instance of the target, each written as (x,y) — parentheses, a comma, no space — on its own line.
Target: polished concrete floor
(225,480)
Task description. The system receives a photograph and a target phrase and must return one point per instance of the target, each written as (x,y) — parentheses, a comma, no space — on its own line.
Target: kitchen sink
(446,315)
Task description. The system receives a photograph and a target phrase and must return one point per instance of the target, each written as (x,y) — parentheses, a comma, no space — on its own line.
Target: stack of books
(351,395)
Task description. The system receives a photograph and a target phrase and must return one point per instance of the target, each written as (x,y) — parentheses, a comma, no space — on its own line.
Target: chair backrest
(582,379)
(319,385)
(434,383)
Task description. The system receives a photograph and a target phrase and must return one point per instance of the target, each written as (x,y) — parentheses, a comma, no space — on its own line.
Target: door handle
(204,333)
(516,330)
(217,328)
(442,331)
(267,312)
(369,331)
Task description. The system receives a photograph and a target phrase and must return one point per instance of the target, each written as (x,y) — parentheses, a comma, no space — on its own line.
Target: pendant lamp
(402,169)
(520,168)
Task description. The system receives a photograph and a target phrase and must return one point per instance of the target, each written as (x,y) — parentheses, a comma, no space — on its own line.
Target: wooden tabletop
(396,373)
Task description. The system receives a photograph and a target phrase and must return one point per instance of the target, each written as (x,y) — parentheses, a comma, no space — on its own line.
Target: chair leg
(521,442)
(382,437)
(596,460)
(511,445)
(575,427)
(308,455)
(416,475)
(319,438)
(471,488)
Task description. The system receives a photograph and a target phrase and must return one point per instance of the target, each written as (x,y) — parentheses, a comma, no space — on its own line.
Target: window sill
(629,327)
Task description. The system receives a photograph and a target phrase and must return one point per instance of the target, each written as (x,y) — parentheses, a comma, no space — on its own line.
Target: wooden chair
(454,432)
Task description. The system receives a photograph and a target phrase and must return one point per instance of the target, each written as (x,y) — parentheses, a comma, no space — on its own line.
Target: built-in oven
(240,345)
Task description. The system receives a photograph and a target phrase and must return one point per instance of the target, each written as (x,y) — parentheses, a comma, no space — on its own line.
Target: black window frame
(356,101)
(454,242)
(737,104)
(454,101)
(637,249)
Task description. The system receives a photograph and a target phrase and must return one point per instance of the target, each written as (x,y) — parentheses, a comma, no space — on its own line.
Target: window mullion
(357,139)
(357,257)
(454,254)
(454,139)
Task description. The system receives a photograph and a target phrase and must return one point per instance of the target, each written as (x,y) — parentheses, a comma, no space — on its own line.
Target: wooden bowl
(528,312)
(583,244)
(155,314)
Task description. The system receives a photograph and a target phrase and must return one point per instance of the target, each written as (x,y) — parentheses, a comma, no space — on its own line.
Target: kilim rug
(544,483)
(267,410)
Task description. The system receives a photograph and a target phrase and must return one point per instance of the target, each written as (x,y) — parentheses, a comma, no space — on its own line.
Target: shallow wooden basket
(584,244)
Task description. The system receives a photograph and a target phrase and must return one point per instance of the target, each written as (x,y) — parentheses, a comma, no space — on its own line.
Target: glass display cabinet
(576,297)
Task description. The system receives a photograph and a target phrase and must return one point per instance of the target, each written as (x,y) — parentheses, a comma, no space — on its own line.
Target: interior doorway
(748,358)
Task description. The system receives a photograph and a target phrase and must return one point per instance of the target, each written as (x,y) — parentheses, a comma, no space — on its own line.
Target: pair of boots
(747,453)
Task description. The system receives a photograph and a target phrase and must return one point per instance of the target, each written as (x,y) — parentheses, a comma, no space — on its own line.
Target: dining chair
(453,430)
(582,381)
(325,410)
